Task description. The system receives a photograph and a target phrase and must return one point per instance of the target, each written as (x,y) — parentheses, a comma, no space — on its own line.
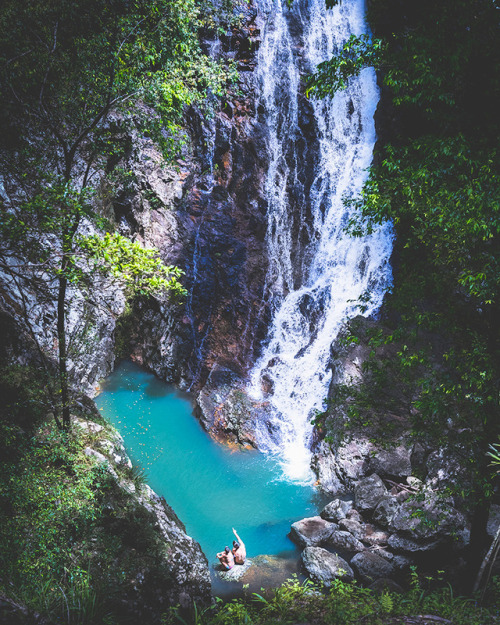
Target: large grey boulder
(429,518)
(336,510)
(368,492)
(370,567)
(341,540)
(393,462)
(353,526)
(385,510)
(401,544)
(312,531)
(323,566)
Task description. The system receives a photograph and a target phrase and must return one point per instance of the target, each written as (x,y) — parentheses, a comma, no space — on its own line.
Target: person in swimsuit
(226,558)
(239,550)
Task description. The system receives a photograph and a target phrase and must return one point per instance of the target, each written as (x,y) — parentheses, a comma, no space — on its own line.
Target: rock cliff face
(209,222)
(166,566)
(399,518)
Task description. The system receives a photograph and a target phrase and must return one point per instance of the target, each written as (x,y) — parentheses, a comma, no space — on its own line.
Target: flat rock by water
(235,574)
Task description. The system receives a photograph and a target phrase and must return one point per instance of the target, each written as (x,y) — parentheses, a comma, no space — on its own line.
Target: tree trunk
(61,336)
(484,574)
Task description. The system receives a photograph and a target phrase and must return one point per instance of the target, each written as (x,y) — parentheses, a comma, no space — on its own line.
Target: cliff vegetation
(433,363)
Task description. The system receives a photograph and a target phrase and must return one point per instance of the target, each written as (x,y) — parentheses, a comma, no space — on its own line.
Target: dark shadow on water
(155,388)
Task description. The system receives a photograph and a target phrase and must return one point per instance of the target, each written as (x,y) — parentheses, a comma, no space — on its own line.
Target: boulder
(323,566)
(312,531)
(400,544)
(234,574)
(341,540)
(430,518)
(385,510)
(368,492)
(336,510)
(353,526)
(394,462)
(370,567)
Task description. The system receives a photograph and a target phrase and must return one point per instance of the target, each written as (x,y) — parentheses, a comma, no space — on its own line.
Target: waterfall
(318,154)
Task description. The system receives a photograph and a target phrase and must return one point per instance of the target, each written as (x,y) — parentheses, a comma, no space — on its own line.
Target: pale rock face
(183,555)
(323,566)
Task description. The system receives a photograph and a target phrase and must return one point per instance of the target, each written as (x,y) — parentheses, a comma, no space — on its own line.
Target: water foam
(317,272)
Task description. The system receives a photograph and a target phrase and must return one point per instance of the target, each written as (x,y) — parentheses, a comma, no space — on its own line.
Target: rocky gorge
(207,212)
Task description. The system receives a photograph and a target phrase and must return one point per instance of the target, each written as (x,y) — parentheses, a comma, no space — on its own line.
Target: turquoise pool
(211,487)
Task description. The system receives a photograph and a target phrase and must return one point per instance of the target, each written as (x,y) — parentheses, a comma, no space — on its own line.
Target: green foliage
(494,454)
(140,270)
(70,539)
(333,75)
(342,604)
(445,192)
(436,364)
(67,64)
(56,493)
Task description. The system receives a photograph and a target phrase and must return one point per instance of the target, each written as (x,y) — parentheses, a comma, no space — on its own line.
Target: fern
(386,603)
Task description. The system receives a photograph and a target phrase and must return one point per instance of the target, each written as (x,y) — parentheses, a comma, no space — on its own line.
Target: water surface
(211,487)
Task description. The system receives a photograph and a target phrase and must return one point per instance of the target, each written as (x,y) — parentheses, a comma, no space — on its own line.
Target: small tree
(65,66)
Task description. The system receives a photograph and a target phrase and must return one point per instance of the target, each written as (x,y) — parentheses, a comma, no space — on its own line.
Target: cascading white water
(316,271)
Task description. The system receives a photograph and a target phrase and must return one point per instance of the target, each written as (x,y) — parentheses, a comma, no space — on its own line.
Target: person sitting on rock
(226,558)
(239,551)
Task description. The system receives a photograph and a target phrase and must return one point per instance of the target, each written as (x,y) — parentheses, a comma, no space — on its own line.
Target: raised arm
(237,537)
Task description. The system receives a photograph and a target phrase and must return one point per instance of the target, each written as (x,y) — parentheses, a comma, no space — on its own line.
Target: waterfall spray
(318,152)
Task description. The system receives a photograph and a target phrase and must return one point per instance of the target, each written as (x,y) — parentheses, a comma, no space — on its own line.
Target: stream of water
(318,152)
